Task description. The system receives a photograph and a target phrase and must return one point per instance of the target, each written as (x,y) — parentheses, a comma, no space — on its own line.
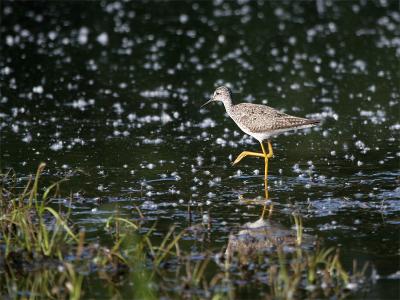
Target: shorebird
(259,121)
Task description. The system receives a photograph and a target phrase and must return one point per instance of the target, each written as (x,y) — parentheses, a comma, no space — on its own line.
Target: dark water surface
(109,94)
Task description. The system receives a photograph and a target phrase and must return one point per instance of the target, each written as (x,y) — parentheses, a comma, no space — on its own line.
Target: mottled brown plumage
(260,118)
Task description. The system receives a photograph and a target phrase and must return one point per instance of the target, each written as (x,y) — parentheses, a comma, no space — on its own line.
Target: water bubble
(118,108)
(207,123)
(352,286)
(5,71)
(83,35)
(149,205)
(295,86)
(296,168)
(221,142)
(38,89)
(102,39)
(156,141)
(132,117)
(360,65)
(15,128)
(206,218)
(183,18)
(57,146)
(165,118)
(150,166)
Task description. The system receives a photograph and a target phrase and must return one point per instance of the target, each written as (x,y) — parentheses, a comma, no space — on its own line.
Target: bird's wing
(261,118)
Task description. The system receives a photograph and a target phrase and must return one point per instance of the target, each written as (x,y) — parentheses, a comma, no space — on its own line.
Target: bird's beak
(209,101)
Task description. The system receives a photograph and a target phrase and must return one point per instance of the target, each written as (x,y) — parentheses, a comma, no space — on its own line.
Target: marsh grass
(309,275)
(43,255)
(28,224)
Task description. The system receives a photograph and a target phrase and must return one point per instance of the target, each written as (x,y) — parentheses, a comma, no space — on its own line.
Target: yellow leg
(266,157)
(270,152)
(266,209)
(247,153)
(256,154)
(266,188)
(271,205)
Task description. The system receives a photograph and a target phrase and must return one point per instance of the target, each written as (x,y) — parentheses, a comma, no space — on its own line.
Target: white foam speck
(207,122)
(102,39)
(183,18)
(83,35)
(165,118)
(57,146)
(38,89)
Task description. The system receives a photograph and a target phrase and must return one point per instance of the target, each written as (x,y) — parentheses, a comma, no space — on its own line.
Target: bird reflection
(267,205)
(263,236)
(271,204)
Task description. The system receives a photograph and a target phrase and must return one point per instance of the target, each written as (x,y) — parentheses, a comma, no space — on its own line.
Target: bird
(259,121)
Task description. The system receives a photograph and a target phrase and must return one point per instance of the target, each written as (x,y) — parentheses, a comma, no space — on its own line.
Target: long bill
(209,101)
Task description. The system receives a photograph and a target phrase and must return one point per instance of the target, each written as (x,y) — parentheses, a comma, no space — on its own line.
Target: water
(109,95)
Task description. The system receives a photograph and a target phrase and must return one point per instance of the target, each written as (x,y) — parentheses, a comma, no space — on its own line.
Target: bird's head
(222,94)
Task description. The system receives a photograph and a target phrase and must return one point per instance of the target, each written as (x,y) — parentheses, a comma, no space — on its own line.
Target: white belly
(262,136)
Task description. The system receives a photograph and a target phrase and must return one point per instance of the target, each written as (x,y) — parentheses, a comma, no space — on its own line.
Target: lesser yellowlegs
(259,121)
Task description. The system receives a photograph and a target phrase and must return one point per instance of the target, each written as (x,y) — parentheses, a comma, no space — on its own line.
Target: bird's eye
(218,93)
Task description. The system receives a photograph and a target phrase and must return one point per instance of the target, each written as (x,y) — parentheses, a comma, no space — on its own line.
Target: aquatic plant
(27,223)
(43,255)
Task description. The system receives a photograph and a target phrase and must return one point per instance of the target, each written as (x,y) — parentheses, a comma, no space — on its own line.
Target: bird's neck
(228,105)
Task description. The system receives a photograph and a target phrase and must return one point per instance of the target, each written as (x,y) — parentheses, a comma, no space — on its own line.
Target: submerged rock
(263,236)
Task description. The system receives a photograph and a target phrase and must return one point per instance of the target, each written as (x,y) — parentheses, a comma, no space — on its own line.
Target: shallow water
(109,95)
